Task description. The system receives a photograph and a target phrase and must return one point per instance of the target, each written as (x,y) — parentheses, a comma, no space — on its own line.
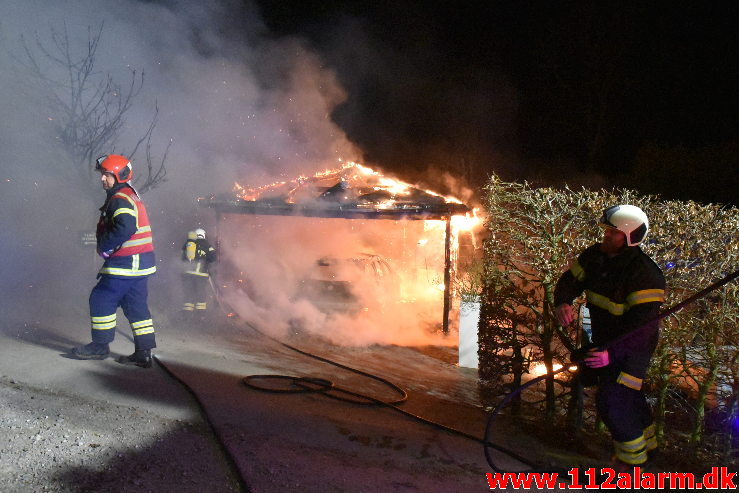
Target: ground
(190,423)
(54,441)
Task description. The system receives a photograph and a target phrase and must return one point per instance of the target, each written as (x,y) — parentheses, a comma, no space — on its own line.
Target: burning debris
(353,251)
(352,191)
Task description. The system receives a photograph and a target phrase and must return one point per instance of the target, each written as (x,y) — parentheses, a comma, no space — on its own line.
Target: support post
(447,275)
(219,254)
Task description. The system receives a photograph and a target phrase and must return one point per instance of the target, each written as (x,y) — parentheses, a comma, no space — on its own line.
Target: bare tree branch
(89,107)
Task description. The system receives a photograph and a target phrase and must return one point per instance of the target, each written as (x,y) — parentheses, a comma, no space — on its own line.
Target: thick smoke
(349,281)
(236,103)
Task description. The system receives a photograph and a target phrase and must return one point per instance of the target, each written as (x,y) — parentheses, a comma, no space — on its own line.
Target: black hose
(314,385)
(506,400)
(204,413)
(403,395)
(327,388)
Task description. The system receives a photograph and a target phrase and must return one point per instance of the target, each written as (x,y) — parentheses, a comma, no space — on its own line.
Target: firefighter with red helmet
(124,241)
(197,254)
(624,289)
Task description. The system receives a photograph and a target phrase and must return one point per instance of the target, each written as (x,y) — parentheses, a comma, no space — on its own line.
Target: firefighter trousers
(627,415)
(131,295)
(195,289)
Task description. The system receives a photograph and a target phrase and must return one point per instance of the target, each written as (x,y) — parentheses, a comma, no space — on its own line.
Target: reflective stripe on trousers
(131,295)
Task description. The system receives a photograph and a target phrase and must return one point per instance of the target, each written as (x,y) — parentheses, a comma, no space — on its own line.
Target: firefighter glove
(596,358)
(578,355)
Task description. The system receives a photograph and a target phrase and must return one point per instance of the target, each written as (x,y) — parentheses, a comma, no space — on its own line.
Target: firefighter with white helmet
(624,289)
(124,241)
(198,254)
(628,219)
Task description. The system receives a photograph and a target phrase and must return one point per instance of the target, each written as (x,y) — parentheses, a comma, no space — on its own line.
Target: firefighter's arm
(210,254)
(567,289)
(641,326)
(640,320)
(122,226)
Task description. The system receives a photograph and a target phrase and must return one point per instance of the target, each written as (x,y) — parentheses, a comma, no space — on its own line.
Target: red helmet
(118,166)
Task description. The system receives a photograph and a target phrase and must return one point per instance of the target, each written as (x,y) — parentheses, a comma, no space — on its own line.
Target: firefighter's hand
(565,314)
(578,355)
(105,255)
(596,359)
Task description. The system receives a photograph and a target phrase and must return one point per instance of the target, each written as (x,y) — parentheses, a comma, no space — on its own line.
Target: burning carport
(369,203)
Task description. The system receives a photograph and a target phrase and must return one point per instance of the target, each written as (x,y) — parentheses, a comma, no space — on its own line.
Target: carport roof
(350,192)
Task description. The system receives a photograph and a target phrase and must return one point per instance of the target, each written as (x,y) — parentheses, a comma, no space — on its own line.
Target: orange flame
(354,174)
(468,222)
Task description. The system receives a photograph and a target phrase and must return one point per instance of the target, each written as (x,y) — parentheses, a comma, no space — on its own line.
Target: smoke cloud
(349,281)
(237,104)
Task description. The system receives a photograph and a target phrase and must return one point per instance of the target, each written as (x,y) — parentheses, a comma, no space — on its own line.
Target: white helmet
(200,233)
(628,219)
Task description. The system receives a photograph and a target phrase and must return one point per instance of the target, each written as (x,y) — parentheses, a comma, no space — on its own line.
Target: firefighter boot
(94,350)
(140,357)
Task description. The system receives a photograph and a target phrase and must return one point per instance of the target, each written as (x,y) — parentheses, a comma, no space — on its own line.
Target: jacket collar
(110,193)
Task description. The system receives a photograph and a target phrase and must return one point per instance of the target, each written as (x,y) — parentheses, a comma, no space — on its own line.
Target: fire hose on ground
(327,388)
(315,385)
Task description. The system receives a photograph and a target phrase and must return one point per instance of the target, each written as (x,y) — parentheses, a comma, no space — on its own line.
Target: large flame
(467,222)
(353,175)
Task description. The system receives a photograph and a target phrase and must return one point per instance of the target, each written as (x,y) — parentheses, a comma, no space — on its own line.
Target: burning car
(349,285)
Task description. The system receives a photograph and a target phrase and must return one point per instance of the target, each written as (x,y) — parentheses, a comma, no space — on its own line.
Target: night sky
(641,95)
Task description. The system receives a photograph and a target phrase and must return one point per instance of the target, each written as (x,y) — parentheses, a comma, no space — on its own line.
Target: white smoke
(237,104)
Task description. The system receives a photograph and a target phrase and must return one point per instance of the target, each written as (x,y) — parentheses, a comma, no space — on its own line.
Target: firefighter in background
(124,240)
(197,254)
(624,289)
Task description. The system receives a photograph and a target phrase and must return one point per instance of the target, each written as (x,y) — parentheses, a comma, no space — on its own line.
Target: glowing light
(394,186)
(434,225)
(384,204)
(468,222)
(540,369)
(252,194)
